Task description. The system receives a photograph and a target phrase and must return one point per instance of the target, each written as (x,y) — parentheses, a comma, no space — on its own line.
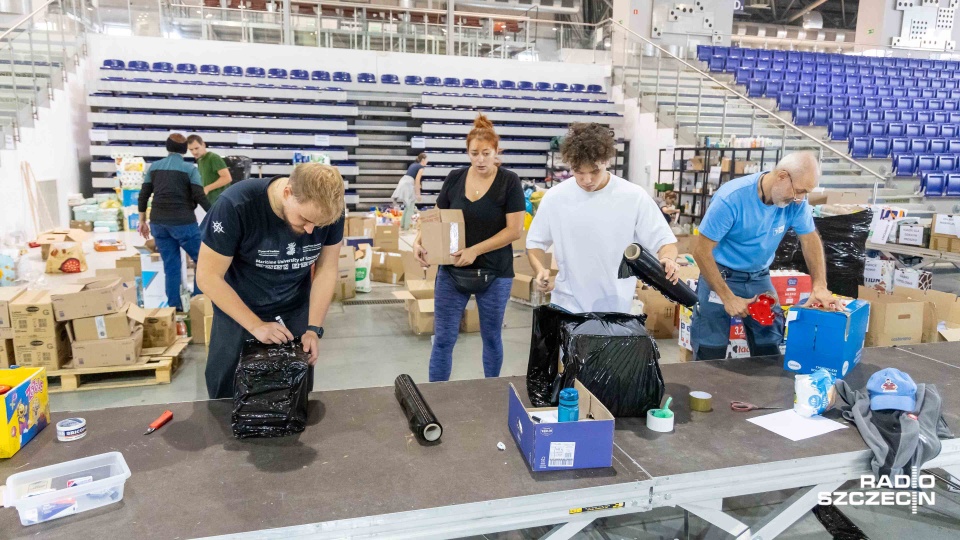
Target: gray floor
(369,345)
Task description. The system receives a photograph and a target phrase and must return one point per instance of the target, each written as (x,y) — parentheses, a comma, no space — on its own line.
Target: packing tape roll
(658,424)
(701,401)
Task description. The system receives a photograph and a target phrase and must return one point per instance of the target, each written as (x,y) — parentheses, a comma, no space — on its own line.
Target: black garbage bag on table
(239,167)
(270,390)
(611,354)
(844,244)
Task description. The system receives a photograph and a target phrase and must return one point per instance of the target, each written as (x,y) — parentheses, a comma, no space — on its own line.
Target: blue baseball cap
(892,389)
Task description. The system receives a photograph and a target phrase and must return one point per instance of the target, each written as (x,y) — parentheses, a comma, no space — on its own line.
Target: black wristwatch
(318,330)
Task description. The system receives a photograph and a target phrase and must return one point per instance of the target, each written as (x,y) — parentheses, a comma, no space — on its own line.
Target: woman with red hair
(493,205)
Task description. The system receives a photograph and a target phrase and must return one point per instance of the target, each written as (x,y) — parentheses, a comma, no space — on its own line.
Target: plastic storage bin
(67,488)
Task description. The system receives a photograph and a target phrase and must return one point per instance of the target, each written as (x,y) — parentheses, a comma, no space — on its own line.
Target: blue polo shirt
(747,231)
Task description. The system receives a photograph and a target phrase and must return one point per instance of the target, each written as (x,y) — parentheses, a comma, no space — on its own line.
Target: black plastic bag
(844,244)
(611,354)
(271,389)
(239,167)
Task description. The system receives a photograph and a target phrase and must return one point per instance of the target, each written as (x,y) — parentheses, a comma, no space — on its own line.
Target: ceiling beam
(806,10)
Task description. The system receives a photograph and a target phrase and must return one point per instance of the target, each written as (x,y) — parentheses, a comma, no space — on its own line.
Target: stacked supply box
(945,233)
(39,340)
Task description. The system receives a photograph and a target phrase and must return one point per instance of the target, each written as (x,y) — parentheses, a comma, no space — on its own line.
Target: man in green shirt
(213,170)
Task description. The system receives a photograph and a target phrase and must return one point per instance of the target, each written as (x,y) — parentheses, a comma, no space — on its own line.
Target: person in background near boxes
(260,243)
(493,205)
(739,235)
(408,190)
(668,206)
(589,222)
(213,170)
(177,190)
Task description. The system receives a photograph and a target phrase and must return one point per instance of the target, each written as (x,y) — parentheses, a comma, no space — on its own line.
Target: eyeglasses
(797,197)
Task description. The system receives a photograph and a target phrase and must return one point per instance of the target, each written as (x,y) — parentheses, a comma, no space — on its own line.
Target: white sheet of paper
(245,138)
(882,232)
(795,427)
(546,417)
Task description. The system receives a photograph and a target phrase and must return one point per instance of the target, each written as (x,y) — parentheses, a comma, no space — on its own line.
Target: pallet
(152,370)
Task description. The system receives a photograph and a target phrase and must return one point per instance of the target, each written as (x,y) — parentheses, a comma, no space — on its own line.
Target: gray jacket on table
(899,440)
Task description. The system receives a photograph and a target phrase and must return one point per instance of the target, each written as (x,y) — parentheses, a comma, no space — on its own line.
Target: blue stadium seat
(299,75)
(943,94)
(839,130)
(138,65)
(791,76)
(857,113)
(162,67)
(210,69)
(839,113)
(386,78)
(787,101)
(904,165)
(451,82)
(953,185)
(342,76)
(433,81)
(946,163)
(933,184)
(803,115)
(876,129)
(412,80)
(937,146)
(934,104)
(749,63)
(899,145)
(232,71)
(883,89)
(821,88)
(821,100)
(941,117)
(896,88)
(755,88)
(806,87)
(511,85)
(926,163)
(858,129)
(908,116)
(772,88)
(949,130)
(839,101)
(879,147)
(913,92)
(557,87)
(277,73)
(577,88)
(113,64)
(859,147)
(896,129)
(805,100)
(821,116)
(717,63)
(489,84)
(874,115)
(471,83)
(857,101)
(594,89)
(187,69)
(255,72)
(792,87)
(953,146)
(891,115)
(919,145)
(931,130)
(914,130)
(323,76)
(704,52)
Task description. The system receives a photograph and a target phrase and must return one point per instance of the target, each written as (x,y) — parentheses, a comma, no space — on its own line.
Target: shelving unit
(558,170)
(693,201)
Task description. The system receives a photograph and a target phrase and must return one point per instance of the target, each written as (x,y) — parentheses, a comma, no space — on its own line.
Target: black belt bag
(471,280)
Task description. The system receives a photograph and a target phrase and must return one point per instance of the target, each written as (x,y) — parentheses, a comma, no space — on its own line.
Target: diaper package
(814,393)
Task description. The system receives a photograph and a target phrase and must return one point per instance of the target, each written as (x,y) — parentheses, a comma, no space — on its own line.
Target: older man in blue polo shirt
(739,235)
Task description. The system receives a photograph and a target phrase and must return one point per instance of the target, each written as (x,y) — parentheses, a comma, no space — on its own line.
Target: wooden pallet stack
(157,366)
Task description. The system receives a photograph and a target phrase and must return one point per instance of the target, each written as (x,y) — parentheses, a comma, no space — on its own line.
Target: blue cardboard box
(826,339)
(559,446)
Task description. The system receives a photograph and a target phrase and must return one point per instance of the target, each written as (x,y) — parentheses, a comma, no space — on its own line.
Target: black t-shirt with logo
(271,262)
(486,216)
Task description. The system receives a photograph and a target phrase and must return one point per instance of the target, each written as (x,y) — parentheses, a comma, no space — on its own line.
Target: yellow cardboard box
(24,410)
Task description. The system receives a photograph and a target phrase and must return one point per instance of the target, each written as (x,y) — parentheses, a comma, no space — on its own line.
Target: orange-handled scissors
(743,406)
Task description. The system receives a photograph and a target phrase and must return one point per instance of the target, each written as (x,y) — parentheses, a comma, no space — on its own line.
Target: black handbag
(471,280)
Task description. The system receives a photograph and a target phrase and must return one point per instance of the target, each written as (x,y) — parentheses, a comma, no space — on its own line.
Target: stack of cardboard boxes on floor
(524,289)
(362,234)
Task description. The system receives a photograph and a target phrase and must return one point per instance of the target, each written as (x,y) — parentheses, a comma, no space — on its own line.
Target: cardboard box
(7,295)
(836,196)
(201,317)
(520,244)
(878,274)
(85,226)
(940,243)
(357,241)
(57,236)
(685,320)
(660,313)
(412,271)
(7,355)
(420,315)
(360,226)
(913,234)
(50,352)
(132,292)
(88,298)
(940,309)
(133,262)
(386,267)
(24,410)
(832,340)
(893,320)
(346,287)
(523,287)
(442,233)
(955,245)
(31,314)
(159,327)
(560,446)
(912,278)
(470,323)
(792,287)
(386,238)
(739,166)
(697,163)
(945,225)
(521,264)
(109,352)
(112,326)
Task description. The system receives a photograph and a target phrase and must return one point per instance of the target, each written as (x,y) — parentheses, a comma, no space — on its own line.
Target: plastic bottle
(569,409)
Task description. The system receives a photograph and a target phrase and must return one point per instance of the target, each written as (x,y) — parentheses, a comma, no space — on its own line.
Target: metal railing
(36,55)
(624,56)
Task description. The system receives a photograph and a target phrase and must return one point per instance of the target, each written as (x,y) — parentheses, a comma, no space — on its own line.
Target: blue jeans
(710,325)
(449,304)
(169,239)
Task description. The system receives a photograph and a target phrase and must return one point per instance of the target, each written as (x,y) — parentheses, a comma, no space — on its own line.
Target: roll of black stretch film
(422,421)
(644,265)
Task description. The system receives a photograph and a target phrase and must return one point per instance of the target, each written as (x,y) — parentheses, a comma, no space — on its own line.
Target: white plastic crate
(67,488)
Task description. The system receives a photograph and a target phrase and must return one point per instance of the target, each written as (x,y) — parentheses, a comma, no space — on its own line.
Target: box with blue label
(832,340)
(549,445)
(24,408)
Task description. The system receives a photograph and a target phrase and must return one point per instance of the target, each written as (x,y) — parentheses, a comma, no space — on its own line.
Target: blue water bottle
(569,410)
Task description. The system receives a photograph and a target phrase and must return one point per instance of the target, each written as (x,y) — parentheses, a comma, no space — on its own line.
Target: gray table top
(357,458)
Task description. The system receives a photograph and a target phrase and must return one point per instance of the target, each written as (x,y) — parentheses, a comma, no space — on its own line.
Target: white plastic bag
(814,393)
(364,260)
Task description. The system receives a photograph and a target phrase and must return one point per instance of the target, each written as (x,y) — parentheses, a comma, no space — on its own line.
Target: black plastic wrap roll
(640,263)
(271,390)
(423,422)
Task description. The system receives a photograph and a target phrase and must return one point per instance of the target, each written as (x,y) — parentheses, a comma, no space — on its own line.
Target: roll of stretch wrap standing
(642,264)
(422,421)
